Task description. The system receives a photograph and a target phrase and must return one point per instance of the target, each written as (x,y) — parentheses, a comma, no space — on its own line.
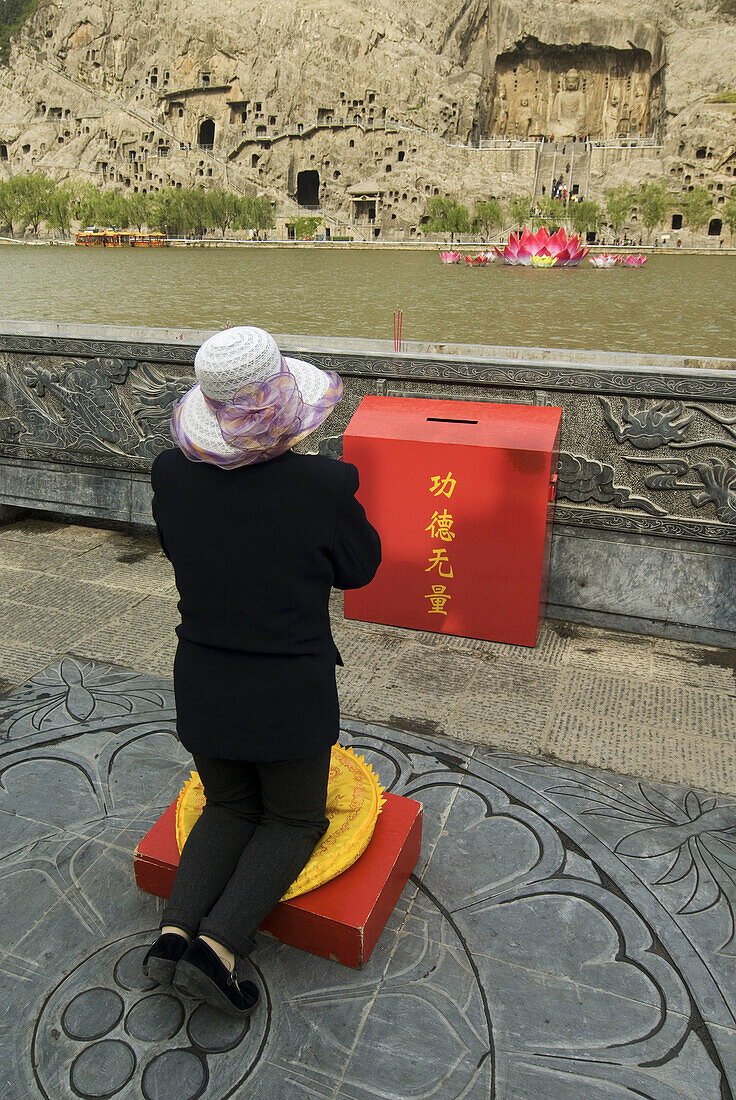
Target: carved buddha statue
(523,118)
(500,111)
(568,109)
(610,116)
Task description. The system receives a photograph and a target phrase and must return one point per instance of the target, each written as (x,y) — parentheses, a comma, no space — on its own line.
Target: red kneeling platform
(341,920)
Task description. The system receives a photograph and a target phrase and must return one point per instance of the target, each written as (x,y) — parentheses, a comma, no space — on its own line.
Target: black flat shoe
(200,973)
(162,956)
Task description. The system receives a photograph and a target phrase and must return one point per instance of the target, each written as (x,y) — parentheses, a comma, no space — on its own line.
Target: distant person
(258,536)
(679,243)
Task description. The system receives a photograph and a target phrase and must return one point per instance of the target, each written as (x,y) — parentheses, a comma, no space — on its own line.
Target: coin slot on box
(447,420)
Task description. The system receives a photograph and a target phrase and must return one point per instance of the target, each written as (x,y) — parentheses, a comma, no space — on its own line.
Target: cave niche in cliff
(307,188)
(546,90)
(206,138)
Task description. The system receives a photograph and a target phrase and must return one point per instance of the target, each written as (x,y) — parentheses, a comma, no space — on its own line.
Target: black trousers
(256,833)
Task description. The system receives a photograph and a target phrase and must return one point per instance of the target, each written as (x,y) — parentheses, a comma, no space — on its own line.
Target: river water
(675,304)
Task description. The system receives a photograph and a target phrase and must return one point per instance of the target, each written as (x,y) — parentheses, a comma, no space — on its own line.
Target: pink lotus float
(521,250)
(481,259)
(606,259)
(451,257)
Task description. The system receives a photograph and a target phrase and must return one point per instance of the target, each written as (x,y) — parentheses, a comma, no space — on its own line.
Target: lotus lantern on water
(521,249)
(480,260)
(632,261)
(450,257)
(605,259)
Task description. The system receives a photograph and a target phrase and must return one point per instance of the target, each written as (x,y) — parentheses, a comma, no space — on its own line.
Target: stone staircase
(552,163)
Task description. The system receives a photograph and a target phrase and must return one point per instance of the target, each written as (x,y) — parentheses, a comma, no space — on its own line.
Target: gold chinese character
(439,526)
(442,486)
(438,598)
(437,562)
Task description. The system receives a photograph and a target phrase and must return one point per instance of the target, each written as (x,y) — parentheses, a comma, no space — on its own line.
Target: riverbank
(398,246)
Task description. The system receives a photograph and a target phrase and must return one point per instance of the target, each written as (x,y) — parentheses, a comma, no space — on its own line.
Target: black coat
(255,552)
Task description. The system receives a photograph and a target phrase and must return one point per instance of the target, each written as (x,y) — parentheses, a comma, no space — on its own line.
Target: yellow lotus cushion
(354,801)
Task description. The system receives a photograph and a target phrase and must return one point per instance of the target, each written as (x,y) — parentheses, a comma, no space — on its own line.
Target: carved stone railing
(645,524)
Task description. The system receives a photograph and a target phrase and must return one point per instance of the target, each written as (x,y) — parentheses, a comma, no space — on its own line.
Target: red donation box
(462,495)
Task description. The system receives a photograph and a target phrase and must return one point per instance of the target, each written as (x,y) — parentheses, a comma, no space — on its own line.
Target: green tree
(112,210)
(10,201)
(84,197)
(552,213)
(201,211)
(584,216)
(223,209)
(138,207)
(60,209)
(254,213)
(620,201)
(653,201)
(262,214)
(165,211)
(697,207)
(34,193)
(305,227)
(520,209)
(446,216)
(13,14)
(728,213)
(487,216)
(179,211)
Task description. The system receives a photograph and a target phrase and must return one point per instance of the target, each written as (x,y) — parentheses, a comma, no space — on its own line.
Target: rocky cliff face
(366,110)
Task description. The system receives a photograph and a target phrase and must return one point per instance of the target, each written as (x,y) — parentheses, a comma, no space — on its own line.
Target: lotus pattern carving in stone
(648,426)
(561,936)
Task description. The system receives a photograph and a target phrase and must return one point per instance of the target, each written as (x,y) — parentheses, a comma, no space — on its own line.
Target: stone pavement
(568,933)
(640,706)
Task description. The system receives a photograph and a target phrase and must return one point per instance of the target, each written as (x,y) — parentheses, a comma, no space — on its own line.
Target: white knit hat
(227,362)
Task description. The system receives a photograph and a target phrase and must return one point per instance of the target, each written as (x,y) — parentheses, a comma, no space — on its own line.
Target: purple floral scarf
(262,420)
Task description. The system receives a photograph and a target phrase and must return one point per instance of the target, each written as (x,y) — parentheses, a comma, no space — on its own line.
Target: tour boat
(113,238)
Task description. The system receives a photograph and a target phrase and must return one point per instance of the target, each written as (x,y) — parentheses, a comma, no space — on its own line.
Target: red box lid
(461,423)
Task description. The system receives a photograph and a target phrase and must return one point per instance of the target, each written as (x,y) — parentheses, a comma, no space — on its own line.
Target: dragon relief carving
(80,406)
(154,394)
